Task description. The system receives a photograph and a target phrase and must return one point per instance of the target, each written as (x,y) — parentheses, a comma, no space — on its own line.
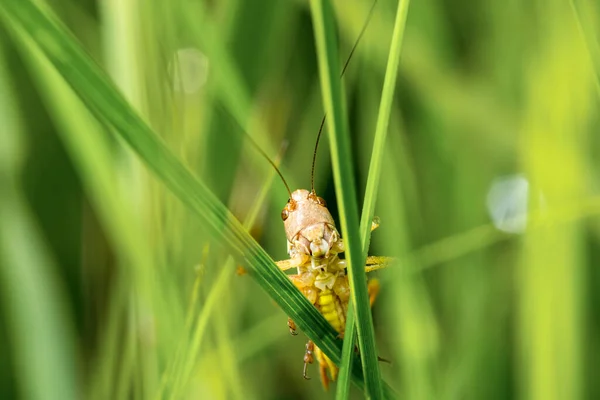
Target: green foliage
(125,168)
(368,211)
(346,193)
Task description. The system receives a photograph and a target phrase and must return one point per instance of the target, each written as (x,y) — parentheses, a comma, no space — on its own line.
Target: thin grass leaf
(217,289)
(383,118)
(551,347)
(232,91)
(92,154)
(183,373)
(39,325)
(39,329)
(585,22)
(342,390)
(345,191)
(32,22)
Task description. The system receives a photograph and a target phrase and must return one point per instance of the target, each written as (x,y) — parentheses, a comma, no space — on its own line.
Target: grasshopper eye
(321,202)
(285,214)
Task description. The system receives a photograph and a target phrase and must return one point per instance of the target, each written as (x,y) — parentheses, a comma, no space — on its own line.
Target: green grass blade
(368,211)
(383,119)
(551,346)
(210,304)
(232,91)
(90,83)
(40,331)
(92,153)
(38,324)
(31,22)
(584,17)
(342,390)
(345,191)
(217,289)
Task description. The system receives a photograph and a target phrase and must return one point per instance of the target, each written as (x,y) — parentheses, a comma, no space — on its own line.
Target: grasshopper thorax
(309,226)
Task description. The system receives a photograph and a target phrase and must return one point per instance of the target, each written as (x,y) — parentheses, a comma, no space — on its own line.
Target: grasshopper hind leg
(308,358)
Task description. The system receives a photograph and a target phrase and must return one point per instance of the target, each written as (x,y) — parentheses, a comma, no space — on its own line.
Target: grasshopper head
(309,226)
(303,210)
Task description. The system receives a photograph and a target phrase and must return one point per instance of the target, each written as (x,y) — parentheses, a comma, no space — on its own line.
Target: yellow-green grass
(118,193)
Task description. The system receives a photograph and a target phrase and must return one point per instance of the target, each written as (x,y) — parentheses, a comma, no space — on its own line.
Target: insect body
(313,245)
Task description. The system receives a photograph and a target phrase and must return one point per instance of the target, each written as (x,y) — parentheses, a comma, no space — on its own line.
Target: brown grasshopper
(314,245)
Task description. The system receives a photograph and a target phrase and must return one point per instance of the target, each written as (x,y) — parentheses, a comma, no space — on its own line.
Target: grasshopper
(314,245)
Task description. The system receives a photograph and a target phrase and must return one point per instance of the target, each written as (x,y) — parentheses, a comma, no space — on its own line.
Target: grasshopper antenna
(360,35)
(262,152)
(266,157)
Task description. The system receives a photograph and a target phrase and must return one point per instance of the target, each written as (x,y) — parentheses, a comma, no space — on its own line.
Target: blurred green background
(489,197)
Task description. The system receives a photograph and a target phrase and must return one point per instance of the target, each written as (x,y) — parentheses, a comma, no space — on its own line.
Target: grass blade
(31,22)
(345,191)
(550,344)
(93,154)
(368,211)
(39,325)
(583,15)
(82,74)
(342,390)
(383,118)
(217,289)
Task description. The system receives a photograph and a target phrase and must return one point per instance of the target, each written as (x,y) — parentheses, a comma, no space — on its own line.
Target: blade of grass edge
(583,16)
(343,174)
(33,21)
(385,107)
(39,326)
(218,287)
(92,156)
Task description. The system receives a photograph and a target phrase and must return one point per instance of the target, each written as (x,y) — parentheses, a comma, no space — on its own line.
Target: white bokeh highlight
(189,70)
(507,202)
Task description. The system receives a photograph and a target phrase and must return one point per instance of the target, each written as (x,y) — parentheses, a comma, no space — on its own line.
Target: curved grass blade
(37,322)
(345,190)
(385,107)
(32,22)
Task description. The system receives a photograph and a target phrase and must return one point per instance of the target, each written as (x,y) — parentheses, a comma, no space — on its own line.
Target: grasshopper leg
(373,287)
(292,325)
(240,271)
(324,364)
(304,282)
(378,262)
(375,223)
(295,262)
(308,358)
